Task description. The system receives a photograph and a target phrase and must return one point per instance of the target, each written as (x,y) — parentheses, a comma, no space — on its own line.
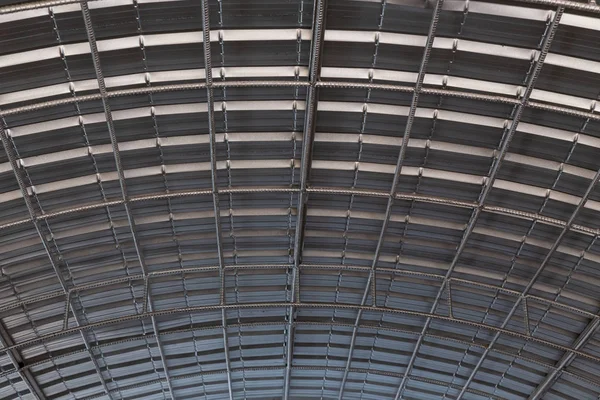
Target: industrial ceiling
(281,199)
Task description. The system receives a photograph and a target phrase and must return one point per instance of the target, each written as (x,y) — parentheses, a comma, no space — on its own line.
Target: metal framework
(574,5)
(28,378)
(115,93)
(480,213)
(307,137)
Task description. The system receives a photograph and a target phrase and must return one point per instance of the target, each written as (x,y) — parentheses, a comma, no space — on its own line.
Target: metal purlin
(492,98)
(17,361)
(371,284)
(565,360)
(213,175)
(344,267)
(430,381)
(148,303)
(573,5)
(326,190)
(489,184)
(174,331)
(318,32)
(283,305)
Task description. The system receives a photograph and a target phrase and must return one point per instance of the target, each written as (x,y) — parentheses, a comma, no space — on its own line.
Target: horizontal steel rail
(294,83)
(323,190)
(568,4)
(304,305)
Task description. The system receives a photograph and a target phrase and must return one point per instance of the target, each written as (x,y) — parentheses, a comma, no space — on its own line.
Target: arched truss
(345,199)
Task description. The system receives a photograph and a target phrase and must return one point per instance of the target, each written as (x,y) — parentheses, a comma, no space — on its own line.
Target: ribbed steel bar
(372,279)
(8,149)
(566,359)
(325,190)
(545,49)
(344,267)
(175,330)
(430,381)
(295,83)
(318,32)
(568,4)
(214,180)
(17,361)
(121,174)
(306,305)
(489,184)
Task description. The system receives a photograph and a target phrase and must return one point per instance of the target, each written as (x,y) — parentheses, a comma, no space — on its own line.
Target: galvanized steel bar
(372,279)
(568,4)
(324,190)
(120,171)
(551,32)
(17,361)
(489,184)
(344,306)
(566,359)
(8,149)
(302,323)
(214,181)
(303,368)
(318,32)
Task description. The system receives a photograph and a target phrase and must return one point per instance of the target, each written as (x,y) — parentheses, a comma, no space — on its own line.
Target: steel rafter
(559,239)
(318,32)
(565,360)
(489,183)
(372,279)
(148,303)
(214,181)
(17,361)
(173,331)
(30,381)
(325,190)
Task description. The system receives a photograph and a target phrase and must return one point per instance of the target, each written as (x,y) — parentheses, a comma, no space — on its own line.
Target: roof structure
(281,199)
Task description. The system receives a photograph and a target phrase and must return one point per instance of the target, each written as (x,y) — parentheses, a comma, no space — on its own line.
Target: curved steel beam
(306,368)
(175,331)
(214,180)
(568,4)
(371,283)
(148,302)
(505,144)
(195,270)
(312,99)
(294,83)
(243,306)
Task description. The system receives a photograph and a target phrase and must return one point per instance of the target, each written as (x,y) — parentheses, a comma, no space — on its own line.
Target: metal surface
(305,199)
